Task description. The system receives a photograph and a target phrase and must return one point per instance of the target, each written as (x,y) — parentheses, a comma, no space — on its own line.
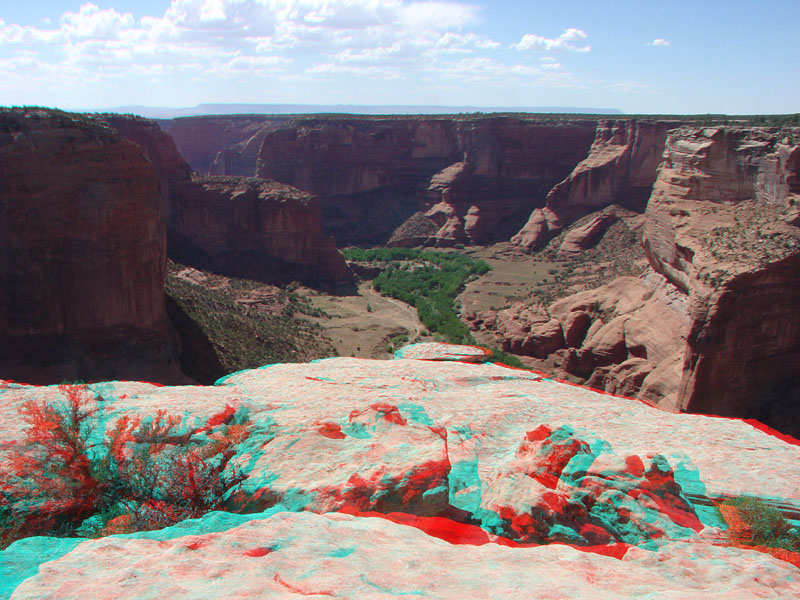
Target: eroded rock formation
(425,477)
(82,253)
(721,227)
(619,169)
(713,325)
(477,179)
(223,145)
(241,226)
(252,228)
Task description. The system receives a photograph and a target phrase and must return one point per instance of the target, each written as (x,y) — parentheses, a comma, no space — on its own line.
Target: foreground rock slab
(353,468)
(301,554)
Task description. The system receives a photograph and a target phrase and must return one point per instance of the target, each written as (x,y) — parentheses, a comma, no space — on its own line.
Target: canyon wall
(83,253)
(252,228)
(723,225)
(713,325)
(619,169)
(240,226)
(476,179)
(224,145)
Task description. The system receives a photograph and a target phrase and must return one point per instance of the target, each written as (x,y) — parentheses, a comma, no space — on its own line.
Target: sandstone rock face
(83,252)
(579,239)
(713,326)
(428,465)
(720,228)
(252,228)
(477,179)
(159,149)
(242,226)
(620,337)
(289,555)
(224,145)
(620,169)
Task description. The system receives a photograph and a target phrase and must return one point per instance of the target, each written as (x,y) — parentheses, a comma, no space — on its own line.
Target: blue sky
(637,56)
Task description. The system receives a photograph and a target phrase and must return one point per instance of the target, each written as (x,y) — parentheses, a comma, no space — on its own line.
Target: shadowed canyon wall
(82,253)
(476,178)
(713,325)
(240,226)
(670,336)
(723,225)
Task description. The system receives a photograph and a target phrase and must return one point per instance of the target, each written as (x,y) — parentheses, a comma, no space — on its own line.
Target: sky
(643,56)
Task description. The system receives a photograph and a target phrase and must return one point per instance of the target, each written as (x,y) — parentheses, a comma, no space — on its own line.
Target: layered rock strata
(252,228)
(713,326)
(721,227)
(241,226)
(620,169)
(223,145)
(83,253)
(476,178)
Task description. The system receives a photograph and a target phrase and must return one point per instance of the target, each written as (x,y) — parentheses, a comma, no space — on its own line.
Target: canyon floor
(360,322)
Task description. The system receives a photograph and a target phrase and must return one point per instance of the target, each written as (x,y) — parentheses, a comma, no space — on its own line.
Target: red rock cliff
(714,325)
(722,225)
(620,169)
(255,228)
(83,252)
(236,225)
(223,145)
(158,148)
(477,178)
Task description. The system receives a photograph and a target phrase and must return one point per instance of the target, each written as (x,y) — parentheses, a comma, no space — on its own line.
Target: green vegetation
(764,525)
(429,281)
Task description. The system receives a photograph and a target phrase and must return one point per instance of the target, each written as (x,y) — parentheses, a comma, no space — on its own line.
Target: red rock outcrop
(476,178)
(721,227)
(242,226)
(83,253)
(619,169)
(716,327)
(253,228)
(158,148)
(413,477)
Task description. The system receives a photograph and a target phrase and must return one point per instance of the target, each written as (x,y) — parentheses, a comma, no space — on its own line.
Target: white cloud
(359,71)
(531,41)
(553,66)
(265,41)
(437,15)
(658,42)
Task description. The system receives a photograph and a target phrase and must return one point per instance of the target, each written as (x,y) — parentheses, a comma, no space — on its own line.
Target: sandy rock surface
(300,554)
(505,466)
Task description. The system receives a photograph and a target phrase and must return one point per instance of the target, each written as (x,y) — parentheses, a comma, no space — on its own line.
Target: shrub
(143,474)
(759,524)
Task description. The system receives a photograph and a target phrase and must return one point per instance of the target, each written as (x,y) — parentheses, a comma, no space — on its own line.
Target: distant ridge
(154,112)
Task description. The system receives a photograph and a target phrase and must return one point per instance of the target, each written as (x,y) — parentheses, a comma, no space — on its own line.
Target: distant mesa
(161,112)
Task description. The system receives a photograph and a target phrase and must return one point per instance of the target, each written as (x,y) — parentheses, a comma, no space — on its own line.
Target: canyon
(657,262)
(83,253)
(669,331)
(715,209)
(93,206)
